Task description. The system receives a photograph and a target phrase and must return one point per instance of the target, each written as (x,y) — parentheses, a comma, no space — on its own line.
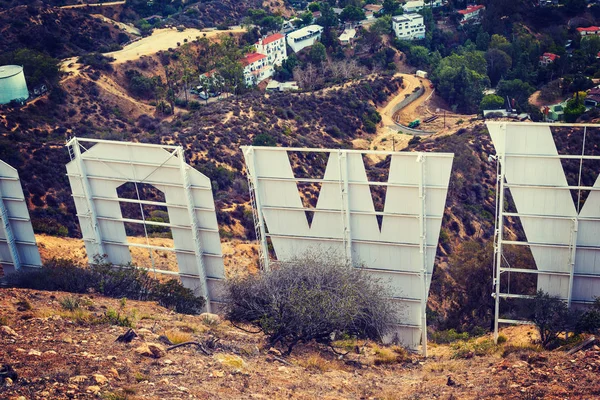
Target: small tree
(551,317)
(491,102)
(312,298)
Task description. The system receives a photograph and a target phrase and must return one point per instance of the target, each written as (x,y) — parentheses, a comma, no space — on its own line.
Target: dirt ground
(163,39)
(60,354)
(239,256)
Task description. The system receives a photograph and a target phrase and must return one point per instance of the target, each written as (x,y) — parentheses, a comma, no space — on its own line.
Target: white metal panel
(18,247)
(561,240)
(392,253)
(106,165)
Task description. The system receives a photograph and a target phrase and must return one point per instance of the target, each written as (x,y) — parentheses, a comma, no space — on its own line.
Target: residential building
(288,26)
(275,86)
(589,31)
(304,37)
(547,59)
(471,14)
(374,8)
(273,47)
(593,97)
(409,26)
(256,68)
(347,37)
(413,6)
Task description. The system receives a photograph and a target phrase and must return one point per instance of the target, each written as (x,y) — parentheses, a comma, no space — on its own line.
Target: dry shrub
(313,298)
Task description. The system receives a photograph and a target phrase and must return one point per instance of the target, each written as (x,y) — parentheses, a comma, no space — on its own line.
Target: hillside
(57,32)
(51,352)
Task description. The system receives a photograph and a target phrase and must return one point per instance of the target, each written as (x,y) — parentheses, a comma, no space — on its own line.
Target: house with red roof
(547,59)
(589,31)
(256,68)
(273,46)
(471,14)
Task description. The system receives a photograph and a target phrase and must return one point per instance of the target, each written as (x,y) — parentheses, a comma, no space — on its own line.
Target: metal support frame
(8,234)
(345,192)
(346,240)
(194,225)
(572,246)
(421,159)
(498,230)
(257,213)
(173,153)
(75,153)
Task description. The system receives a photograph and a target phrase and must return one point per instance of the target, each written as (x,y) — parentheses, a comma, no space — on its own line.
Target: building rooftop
(406,17)
(471,9)
(272,38)
(253,57)
(588,29)
(550,56)
(373,7)
(6,71)
(348,34)
(307,30)
(413,3)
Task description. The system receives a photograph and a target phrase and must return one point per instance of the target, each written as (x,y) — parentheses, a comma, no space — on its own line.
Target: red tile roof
(550,56)
(253,57)
(588,29)
(272,38)
(471,9)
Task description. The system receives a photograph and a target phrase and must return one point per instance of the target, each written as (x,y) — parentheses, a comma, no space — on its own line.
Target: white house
(304,37)
(256,68)
(275,86)
(347,37)
(417,5)
(273,47)
(413,6)
(409,26)
(471,14)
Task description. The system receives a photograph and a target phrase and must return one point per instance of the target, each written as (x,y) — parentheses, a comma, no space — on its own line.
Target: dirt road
(112,3)
(162,39)
(388,137)
(124,27)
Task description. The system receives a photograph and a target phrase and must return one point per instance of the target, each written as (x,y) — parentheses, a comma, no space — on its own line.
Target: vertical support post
(183,167)
(87,191)
(257,205)
(499,230)
(343,158)
(423,250)
(8,234)
(573,246)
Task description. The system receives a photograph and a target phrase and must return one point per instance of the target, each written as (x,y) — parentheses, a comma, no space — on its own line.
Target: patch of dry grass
(390,355)
(177,336)
(316,363)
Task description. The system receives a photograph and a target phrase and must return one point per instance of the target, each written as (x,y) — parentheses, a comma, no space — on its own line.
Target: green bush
(448,336)
(117,282)
(312,298)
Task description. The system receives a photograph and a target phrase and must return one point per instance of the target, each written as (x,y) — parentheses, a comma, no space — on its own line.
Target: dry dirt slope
(58,355)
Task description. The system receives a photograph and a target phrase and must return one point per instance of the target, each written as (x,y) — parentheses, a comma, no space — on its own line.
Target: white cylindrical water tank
(12,84)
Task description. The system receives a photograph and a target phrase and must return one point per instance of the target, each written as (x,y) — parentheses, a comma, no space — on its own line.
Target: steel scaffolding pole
(423,250)
(499,228)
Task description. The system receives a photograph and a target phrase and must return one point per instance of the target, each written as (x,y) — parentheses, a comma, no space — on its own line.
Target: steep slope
(55,353)
(57,32)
